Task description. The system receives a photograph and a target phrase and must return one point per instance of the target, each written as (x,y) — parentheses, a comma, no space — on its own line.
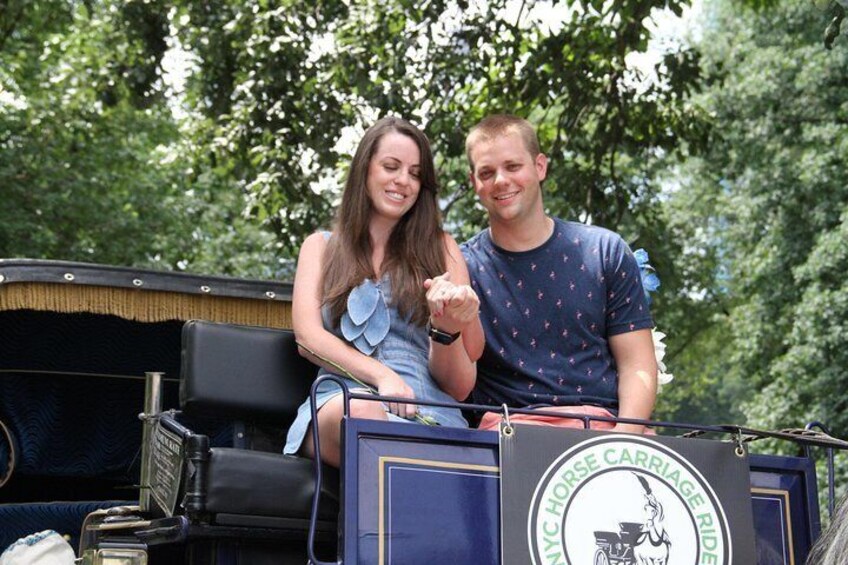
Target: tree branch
(460,194)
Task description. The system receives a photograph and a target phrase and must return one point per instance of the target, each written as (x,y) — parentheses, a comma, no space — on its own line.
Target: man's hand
(452,307)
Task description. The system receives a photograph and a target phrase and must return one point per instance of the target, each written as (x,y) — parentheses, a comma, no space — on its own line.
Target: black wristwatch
(441,337)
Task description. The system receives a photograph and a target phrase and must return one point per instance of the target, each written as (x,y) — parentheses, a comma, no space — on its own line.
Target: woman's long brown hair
(415,250)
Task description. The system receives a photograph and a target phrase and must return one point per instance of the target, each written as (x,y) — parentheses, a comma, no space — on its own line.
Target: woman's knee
(367,409)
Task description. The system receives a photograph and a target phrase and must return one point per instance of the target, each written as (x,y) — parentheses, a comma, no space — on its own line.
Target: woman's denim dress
(404,349)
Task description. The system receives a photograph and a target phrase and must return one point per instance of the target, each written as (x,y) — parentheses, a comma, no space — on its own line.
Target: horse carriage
(616,548)
(199,477)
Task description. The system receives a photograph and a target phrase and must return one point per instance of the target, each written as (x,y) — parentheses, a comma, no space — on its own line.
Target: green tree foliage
(93,149)
(77,128)
(768,202)
(93,166)
(282,82)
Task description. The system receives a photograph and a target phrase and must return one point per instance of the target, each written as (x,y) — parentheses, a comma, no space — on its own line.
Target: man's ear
(541,163)
(471,180)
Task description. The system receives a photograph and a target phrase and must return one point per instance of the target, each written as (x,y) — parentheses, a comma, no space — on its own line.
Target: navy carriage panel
(417,494)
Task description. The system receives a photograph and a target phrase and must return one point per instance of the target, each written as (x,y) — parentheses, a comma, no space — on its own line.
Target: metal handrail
(831,478)
(800,436)
(316,460)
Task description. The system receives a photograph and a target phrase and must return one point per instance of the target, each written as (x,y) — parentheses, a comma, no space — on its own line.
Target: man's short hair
(498,125)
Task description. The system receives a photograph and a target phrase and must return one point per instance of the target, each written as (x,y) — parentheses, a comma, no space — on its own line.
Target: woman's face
(650,513)
(394,179)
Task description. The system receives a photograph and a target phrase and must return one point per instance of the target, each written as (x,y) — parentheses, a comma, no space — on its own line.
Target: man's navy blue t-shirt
(547,315)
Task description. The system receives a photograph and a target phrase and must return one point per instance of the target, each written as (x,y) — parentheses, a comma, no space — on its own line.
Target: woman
(359,297)
(652,545)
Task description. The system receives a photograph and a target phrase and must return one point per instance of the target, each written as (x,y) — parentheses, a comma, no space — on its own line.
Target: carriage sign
(574,497)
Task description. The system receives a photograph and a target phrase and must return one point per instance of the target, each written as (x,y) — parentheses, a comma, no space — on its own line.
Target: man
(565,317)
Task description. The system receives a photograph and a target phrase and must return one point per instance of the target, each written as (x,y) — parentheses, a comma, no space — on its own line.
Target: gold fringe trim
(144,305)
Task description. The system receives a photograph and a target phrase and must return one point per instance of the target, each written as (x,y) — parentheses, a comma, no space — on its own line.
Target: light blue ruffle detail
(650,280)
(366,321)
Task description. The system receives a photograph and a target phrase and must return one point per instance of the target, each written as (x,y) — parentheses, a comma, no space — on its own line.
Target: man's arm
(637,376)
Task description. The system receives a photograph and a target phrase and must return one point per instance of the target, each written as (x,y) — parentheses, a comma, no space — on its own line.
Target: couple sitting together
(533,311)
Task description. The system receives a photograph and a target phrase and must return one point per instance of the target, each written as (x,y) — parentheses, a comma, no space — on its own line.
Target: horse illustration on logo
(636,543)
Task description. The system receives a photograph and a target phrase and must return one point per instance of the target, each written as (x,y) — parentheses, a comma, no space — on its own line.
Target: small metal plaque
(167,461)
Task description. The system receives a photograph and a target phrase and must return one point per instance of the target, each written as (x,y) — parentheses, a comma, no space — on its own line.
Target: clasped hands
(452,306)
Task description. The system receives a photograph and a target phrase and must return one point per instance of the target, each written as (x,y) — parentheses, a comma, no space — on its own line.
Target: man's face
(507,178)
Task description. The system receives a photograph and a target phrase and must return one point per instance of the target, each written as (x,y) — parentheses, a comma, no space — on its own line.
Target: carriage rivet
(2,278)
(69,277)
(205,288)
(138,282)
(269,294)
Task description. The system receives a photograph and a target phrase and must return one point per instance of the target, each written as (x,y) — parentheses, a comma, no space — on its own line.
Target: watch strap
(440,336)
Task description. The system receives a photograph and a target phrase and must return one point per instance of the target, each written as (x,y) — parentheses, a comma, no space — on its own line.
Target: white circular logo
(626,501)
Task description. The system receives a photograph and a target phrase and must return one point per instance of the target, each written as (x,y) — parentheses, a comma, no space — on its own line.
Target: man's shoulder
(593,240)
(472,245)
(586,231)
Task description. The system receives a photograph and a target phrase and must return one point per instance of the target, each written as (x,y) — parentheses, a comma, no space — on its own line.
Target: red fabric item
(492,420)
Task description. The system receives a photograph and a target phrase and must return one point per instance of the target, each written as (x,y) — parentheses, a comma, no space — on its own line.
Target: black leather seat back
(242,373)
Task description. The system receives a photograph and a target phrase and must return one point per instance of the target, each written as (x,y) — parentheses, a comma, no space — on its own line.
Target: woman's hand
(390,384)
(452,307)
